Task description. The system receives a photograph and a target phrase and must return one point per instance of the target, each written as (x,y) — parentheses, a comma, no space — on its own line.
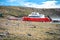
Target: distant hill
(24,11)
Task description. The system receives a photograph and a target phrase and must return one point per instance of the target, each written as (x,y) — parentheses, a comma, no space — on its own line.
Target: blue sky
(32,3)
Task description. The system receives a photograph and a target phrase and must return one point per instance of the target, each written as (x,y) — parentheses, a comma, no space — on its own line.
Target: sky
(32,3)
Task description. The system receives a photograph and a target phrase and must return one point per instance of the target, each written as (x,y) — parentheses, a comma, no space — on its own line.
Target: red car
(46,19)
(36,17)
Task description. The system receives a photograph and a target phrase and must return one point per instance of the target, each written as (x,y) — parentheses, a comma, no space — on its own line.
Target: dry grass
(37,30)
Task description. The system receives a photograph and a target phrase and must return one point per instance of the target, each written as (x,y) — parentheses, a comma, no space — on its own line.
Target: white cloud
(47,4)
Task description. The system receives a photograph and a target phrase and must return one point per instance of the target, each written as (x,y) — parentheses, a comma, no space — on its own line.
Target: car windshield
(34,16)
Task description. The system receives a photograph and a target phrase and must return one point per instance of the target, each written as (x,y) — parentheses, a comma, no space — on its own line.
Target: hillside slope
(24,11)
